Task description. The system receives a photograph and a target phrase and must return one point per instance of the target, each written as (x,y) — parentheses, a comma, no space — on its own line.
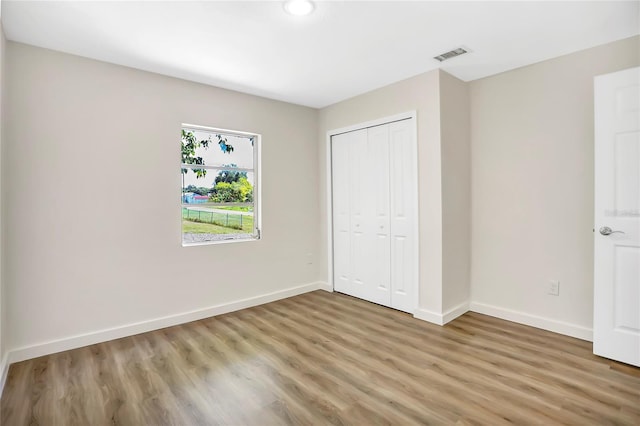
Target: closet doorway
(374,205)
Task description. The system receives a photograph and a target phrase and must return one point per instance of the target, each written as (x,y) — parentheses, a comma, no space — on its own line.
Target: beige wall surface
(532,183)
(456,191)
(420,94)
(93,209)
(3,323)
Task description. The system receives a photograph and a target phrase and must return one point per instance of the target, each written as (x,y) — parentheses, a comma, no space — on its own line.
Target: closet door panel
(359,236)
(341,216)
(377,194)
(403,182)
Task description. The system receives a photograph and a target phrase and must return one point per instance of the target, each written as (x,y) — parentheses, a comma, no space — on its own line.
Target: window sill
(222,241)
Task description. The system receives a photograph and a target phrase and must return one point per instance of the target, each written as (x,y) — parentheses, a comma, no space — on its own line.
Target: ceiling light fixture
(298,7)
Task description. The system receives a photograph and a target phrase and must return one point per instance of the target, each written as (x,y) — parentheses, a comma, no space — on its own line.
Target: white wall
(3,323)
(84,141)
(532,187)
(456,193)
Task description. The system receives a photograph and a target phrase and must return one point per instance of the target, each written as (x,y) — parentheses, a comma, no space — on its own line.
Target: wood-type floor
(323,358)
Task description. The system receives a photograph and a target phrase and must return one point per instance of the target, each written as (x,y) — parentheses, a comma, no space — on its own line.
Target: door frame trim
(409,115)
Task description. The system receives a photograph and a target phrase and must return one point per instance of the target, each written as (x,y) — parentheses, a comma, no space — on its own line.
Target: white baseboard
(560,327)
(428,316)
(325,286)
(455,312)
(4,370)
(73,342)
(441,319)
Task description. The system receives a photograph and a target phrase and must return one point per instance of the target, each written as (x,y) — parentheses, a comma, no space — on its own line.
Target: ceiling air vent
(451,54)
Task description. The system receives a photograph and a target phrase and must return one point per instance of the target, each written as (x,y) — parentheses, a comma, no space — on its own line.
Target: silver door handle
(605,230)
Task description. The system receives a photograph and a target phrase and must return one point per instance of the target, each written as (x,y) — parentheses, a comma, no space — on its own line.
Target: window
(220,191)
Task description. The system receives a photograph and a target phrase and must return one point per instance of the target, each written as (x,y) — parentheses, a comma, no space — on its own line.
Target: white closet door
(403,186)
(359,237)
(340,170)
(377,214)
(351,246)
(374,208)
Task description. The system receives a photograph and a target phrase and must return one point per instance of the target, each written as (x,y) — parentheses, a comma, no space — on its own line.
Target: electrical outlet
(554,288)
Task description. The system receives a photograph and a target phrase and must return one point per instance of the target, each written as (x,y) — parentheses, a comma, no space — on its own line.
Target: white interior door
(616,322)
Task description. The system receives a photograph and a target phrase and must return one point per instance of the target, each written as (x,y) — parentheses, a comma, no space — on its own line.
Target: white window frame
(257,184)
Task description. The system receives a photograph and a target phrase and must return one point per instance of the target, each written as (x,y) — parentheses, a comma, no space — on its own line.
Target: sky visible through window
(242,156)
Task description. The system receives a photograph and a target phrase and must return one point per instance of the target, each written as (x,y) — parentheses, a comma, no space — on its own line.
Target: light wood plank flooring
(324,358)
